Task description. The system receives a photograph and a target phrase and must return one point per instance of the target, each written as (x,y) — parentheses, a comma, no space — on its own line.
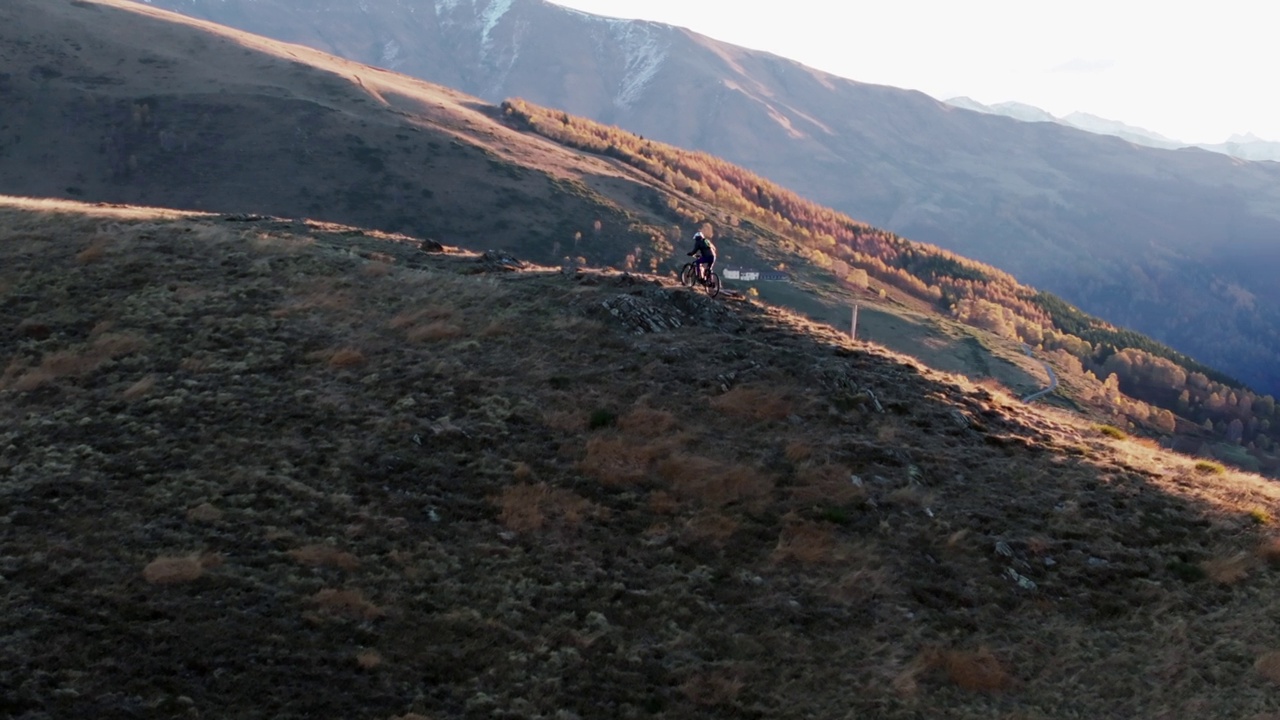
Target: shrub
(836,515)
(1205,467)
(602,418)
(1186,571)
(1111,431)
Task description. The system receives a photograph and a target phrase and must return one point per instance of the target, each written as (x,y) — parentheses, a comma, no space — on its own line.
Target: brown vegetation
(1131,377)
(169,570)
(524,526)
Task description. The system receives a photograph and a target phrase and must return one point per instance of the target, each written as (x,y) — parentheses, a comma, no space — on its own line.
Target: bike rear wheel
(687,275)
(712,284)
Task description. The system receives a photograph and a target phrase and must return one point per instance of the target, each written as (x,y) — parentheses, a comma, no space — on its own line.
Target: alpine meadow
(329,392)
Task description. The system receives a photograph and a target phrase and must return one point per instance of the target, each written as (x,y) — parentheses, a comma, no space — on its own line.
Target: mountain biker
(706,252)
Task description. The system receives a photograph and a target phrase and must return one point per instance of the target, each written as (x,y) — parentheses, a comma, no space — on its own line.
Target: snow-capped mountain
(1246,147)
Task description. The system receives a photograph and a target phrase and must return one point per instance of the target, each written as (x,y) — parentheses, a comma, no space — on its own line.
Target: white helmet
(698,236)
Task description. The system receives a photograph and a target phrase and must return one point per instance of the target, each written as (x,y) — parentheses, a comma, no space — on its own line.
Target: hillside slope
(198,116)
(1176,244)
(112,101)
(274,468)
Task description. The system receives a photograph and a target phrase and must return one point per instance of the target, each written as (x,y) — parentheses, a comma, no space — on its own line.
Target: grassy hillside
(1120,372)
(116,102)
(281,468)
(1177,244)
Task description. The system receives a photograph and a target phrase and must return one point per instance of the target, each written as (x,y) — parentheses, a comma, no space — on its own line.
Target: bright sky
(1196,71)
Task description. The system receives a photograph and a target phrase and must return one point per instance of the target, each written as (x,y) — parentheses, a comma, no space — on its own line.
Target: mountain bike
(710,281)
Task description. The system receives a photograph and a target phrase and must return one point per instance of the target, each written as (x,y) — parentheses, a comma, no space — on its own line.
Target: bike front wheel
(687,275)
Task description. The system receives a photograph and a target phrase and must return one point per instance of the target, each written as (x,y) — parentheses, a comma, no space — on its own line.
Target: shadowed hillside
(274,468)
(111,101)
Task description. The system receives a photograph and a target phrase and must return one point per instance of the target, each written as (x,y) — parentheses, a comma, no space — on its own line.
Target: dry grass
(976,671)
(807,543)
(866,582)
(345,602)
(171,570)
(1268,551)
(79,361)
(346,358)
(716,687)
(662,502)
(54,207)
(648,422)
(619,461)
(566,421)
(713,484)
(912,496)
(972,670)
(709,527)
(826,484)
(204,513)
(798,450)
(369,659)
(755,551)
(96,251)
(321,298)
(434,332)
(324,556)
(762,404)
(140,389)
(1228,570)
(529,508)
(1268,666)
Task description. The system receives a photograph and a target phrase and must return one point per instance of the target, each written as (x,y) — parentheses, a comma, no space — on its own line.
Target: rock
(643,314)
(501,260)
(430,246)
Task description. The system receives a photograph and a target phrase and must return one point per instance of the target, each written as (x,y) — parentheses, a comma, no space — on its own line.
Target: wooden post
(853,327)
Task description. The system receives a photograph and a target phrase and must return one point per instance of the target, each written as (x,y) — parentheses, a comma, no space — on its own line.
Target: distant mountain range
(1179,244)
(1246,147)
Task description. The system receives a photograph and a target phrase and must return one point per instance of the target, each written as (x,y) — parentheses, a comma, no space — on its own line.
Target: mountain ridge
(365,146)
(1124,232)
(259,464)
(1245,146)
